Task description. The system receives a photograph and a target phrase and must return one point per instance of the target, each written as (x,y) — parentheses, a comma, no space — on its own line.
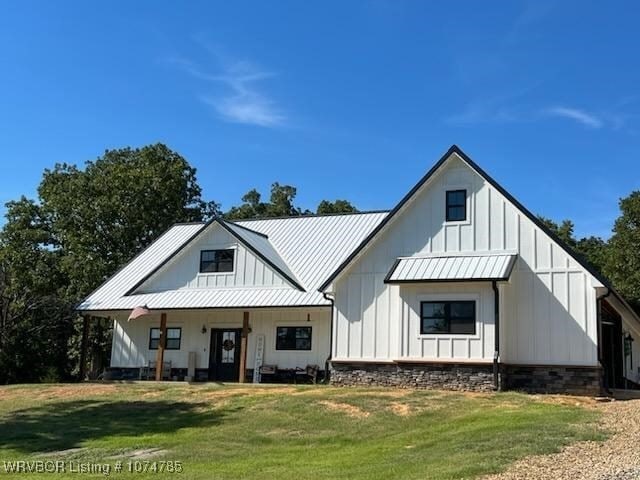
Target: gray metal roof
(452,268)
(308,248)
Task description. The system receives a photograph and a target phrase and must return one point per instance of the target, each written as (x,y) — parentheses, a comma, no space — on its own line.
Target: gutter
(496,352)
(603,387)
(328,361)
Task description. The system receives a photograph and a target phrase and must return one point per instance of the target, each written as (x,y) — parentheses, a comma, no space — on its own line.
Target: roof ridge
(310,215)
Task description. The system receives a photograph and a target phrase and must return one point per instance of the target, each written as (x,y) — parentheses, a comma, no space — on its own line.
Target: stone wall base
(469,377)
(445,376)
(552,379)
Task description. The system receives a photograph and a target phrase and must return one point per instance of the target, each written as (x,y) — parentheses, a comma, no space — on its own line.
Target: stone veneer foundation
(552,379)
(471,377)
(447,376)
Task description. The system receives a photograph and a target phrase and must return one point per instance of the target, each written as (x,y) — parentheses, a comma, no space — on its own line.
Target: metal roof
(307,248)
(452,268)
(260,243)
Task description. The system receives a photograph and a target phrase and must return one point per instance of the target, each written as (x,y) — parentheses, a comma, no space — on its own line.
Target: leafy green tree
(326,207)
(623,261)
(85,225)
(280,204)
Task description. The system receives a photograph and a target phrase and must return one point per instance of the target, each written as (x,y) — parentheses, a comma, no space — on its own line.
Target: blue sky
(350,100)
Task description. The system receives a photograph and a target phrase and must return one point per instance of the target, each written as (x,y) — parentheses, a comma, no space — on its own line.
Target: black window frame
(451,207)
(447,317)
(155,342)
(216,261)
(293,339)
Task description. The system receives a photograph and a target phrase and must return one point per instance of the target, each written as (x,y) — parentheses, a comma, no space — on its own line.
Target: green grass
(231,432)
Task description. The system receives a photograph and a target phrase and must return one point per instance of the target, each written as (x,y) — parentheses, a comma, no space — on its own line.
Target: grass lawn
(283,432)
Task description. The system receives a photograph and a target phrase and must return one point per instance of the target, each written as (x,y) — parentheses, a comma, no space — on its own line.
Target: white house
(459,286)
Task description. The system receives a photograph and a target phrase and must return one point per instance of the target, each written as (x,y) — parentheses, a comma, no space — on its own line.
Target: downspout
(603,387)
(496,352)
(326,363)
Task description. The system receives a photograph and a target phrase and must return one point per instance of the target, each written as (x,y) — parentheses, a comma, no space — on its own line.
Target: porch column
(243,347)
(162,342)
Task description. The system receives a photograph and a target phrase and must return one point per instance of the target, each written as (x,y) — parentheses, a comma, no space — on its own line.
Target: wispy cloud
(235,93)
(581,116)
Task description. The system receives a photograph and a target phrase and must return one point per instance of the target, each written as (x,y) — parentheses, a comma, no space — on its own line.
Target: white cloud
(576,114)
(237,97)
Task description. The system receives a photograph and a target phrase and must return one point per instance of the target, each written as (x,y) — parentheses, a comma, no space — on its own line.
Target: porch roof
(453,268)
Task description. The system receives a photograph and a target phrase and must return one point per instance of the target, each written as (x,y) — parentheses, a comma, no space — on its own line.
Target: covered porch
(223,345)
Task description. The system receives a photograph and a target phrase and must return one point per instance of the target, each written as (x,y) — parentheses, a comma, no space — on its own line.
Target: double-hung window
(456,205)
(174,336)
(293,338)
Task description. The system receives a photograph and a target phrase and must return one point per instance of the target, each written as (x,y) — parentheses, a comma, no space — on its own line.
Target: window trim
(464,205)
(233,266)
(464,295)
(299,350)
(151,329)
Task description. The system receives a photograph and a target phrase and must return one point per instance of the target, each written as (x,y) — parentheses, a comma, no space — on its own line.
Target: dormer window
(456,205)
(216,261)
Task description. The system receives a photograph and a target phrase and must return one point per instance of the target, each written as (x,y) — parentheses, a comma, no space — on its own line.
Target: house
(459,286)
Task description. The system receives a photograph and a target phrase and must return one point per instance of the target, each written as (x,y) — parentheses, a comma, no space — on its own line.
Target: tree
(623,261)
(280,204)
(325,207)
(85,225)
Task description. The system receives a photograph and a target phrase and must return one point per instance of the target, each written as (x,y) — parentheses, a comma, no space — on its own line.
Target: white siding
(548,308)
(183,270)
(131,339)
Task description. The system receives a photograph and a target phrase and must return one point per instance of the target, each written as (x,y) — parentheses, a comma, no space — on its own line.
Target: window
(293,338)
(458,317)
(173,338)
(456,205)
(215,261)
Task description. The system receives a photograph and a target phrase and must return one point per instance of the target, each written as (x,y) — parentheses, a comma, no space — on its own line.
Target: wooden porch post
(161,344)
(83,348)
(243,347)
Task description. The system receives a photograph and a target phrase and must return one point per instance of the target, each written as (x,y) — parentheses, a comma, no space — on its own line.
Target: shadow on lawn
(65,425)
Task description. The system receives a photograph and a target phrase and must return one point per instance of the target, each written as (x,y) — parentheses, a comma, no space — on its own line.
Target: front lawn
(281,432)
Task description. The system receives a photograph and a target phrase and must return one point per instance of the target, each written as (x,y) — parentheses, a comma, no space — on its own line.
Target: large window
(173,338)
(293,338)
(215,261)
(456,205)
(456,317)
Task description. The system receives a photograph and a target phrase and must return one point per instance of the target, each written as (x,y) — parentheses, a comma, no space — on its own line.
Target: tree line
(86,222)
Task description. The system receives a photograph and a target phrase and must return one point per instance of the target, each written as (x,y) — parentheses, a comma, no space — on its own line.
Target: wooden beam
(243,348)
(84,345)
(161,345)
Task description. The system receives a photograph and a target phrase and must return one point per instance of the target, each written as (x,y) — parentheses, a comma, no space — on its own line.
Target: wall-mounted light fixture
(308,317)
(204,329)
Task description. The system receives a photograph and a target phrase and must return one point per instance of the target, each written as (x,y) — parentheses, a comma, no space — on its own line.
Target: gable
(495,222)
(183,270)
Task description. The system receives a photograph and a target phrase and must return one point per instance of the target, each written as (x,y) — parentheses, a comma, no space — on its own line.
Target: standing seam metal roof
(306,247)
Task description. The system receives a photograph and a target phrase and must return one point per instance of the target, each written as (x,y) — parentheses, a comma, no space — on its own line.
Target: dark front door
(224,354)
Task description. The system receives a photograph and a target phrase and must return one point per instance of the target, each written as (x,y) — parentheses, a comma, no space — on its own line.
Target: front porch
(222,345)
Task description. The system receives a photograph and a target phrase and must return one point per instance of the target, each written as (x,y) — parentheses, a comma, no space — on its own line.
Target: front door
(224,354)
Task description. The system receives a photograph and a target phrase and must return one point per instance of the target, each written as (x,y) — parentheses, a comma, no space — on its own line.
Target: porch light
(204,329)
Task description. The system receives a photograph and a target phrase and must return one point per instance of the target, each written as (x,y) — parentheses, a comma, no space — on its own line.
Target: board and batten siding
(131,338)
(183,271)
(547,309)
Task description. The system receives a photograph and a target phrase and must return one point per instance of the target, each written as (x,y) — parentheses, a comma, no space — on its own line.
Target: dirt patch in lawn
(350,410)
(400,409)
